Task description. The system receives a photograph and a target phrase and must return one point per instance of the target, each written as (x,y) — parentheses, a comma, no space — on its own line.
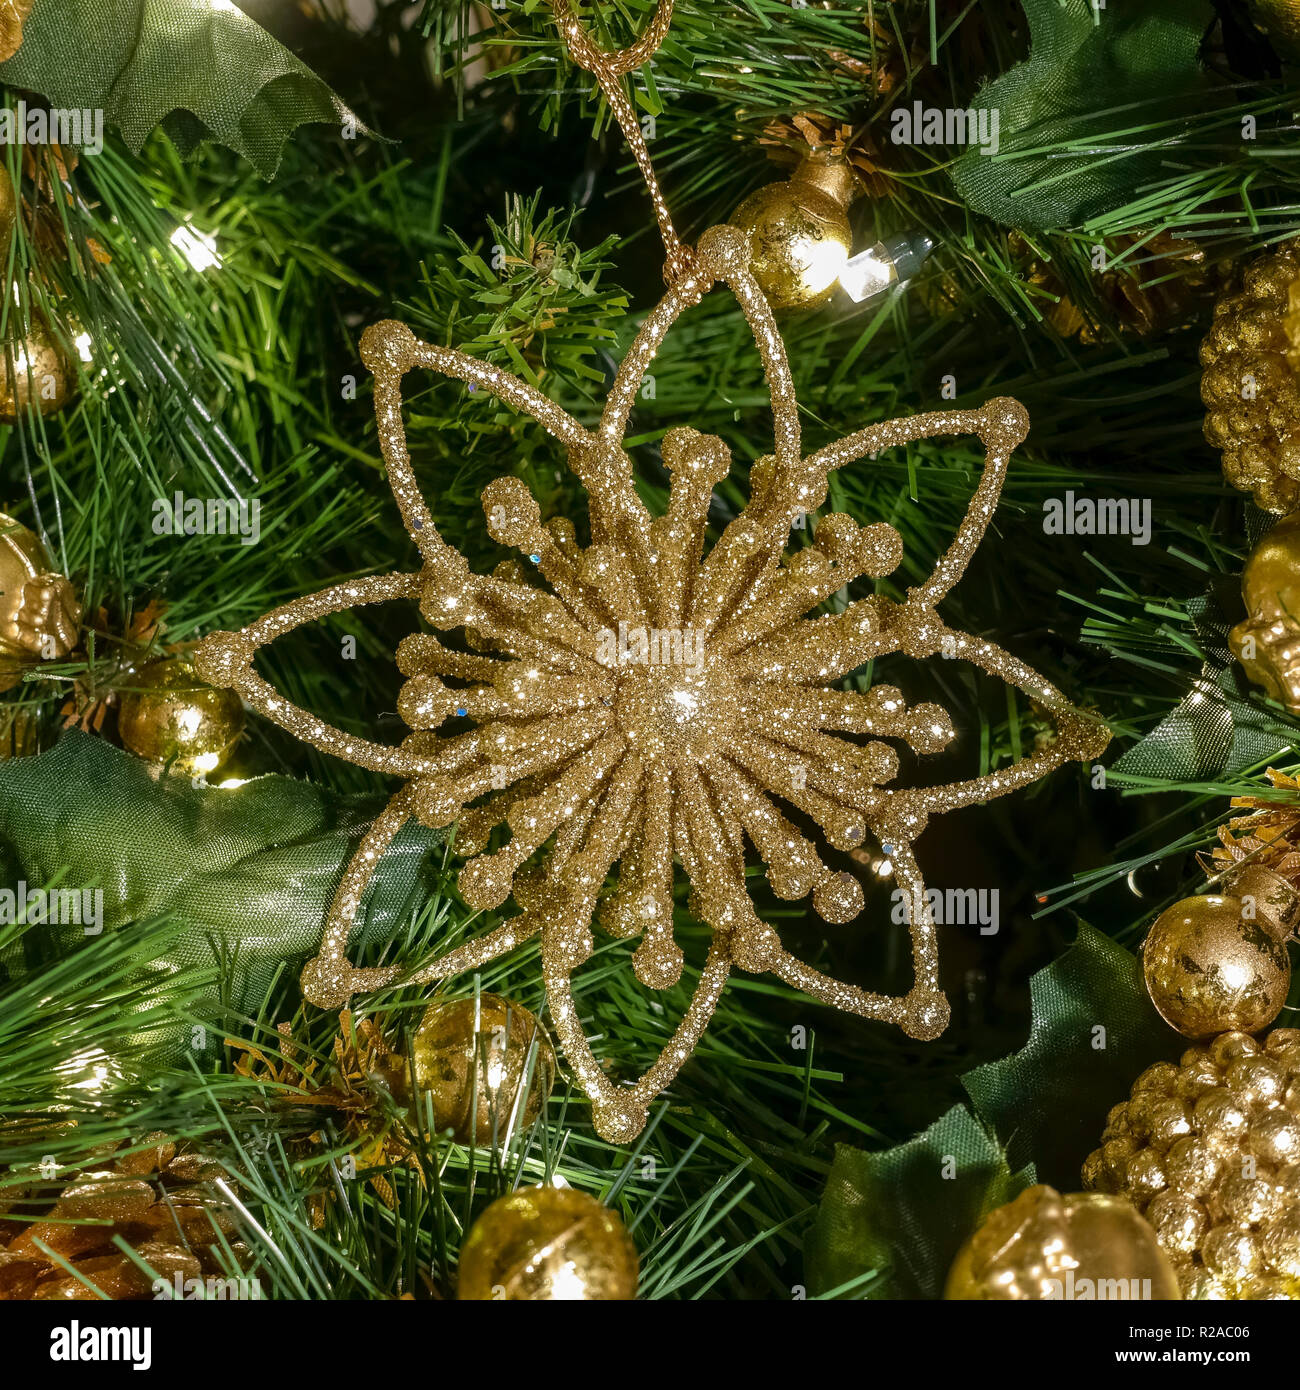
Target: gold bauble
(39,611)
(547,1244)
(37,373)
(799,233)
(1251,383)
(1268,643)
(1219,963)
(472,1059)
(1048,1245)
(1280,20)
(1209,1150)
(171,717)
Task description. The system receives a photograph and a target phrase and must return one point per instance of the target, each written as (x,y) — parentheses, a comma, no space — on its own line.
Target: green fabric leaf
(1048,1102)
(1221,727)
(904,1212)
(201,70)
(251,869)
(1036,1116)
(1084,68)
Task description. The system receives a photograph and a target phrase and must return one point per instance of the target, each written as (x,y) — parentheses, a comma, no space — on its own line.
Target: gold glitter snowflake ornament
(654,704)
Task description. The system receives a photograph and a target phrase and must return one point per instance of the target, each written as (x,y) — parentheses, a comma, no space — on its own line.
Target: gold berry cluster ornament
(39,611)
(1250,385)
(547,1244)
(485,1065)
(650,702)
(1078,1246)
(1267,642)
(169,717)
(1209,1151)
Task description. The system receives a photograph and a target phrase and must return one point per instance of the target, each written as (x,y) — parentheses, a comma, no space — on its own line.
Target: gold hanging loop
(609,70)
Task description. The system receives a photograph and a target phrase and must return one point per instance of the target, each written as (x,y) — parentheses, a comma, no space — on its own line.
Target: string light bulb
(801,242)
(892,261)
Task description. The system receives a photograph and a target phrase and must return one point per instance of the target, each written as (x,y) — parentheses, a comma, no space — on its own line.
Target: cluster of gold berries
(1251,384)
(1209,1151)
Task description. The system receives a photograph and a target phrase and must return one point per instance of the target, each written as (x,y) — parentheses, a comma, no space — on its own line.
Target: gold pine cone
(1209,1152)
(1251,381)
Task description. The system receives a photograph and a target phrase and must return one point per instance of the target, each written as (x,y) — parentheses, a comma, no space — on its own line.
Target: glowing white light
(82,343)
(567,1285)
(198,248)
(821,263)
(867,274)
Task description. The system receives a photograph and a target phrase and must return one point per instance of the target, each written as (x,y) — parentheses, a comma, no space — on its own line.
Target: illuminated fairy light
(198,248)
(888,262)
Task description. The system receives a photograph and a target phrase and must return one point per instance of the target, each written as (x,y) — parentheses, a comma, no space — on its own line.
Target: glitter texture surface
(655,703)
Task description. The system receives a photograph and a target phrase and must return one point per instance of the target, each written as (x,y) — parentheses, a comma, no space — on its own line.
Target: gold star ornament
(649,700)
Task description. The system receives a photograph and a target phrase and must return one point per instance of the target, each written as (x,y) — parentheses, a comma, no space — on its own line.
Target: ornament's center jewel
(609,712)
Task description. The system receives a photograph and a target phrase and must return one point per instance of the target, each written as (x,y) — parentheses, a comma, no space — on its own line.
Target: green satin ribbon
(890,1223)
(247,871)
(201,71)
(1066,150)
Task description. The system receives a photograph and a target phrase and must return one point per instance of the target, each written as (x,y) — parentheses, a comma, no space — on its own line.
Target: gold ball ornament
(38,374)
(1280,21)
(1046,1245)
(486,1065)
(1209,1151)
(1251,386)
(39,612)
(170,717)
(1267,643)
(799,234)
(1219,962)
(547,1244)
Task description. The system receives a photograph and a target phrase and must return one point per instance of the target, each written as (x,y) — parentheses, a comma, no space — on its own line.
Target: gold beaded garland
(1209,1150)
(171,717)
(1077,1246)
(1219,962)
(547,1244)
(485,1064)
(655,703)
